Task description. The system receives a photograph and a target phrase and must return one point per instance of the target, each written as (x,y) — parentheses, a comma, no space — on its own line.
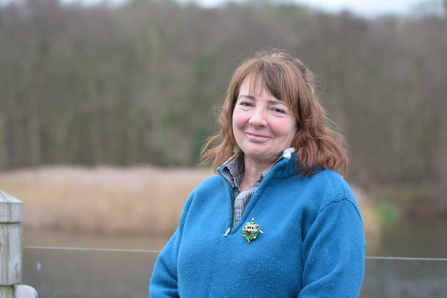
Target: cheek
(287,129)
(235,128)
(238,120)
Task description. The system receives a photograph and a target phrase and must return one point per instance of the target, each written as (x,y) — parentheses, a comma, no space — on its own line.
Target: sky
(363,7)
(367,8)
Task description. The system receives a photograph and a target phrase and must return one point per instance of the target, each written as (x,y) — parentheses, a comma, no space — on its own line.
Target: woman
(277,220)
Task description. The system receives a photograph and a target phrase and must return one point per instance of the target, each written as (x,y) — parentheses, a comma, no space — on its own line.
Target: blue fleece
(312,244)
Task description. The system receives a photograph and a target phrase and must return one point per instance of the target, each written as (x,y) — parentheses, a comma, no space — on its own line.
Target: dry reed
(111,200)
(102,200)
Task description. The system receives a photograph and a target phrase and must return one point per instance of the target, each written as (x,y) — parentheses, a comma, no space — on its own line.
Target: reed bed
(112,200)
(106,200)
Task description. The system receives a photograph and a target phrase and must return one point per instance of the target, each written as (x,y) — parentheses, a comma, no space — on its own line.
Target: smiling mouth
(256,137)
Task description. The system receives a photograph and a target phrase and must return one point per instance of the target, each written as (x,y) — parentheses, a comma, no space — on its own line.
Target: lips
(257,137)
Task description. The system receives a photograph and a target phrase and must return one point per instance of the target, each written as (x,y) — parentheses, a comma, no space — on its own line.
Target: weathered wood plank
(6,292)
(10,244)
(10,208)
(10,254)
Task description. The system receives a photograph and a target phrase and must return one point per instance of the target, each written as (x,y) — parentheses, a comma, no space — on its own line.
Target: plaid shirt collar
(234,170)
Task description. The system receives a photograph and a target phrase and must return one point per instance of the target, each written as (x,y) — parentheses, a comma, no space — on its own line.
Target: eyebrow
(248,96)
(269,101)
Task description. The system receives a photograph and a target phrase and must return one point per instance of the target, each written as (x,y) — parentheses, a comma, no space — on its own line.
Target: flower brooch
(251,230)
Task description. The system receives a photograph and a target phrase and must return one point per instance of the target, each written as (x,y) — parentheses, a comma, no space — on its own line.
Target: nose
(258,118)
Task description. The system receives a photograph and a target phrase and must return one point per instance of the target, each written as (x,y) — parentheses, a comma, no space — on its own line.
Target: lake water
(124,268)
(416,239)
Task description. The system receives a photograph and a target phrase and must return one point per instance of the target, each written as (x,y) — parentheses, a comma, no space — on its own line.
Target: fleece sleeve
(163,283)
(164,280)
(333,253)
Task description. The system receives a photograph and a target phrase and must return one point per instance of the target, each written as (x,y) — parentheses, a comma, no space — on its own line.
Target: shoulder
(326,187)
(329,201)
(332,182)
(208,193)
(207,188)
(210,184)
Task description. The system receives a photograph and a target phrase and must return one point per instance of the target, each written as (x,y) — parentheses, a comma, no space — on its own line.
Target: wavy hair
(318,144)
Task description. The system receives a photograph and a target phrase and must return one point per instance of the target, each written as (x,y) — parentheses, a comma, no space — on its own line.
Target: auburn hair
(317,143)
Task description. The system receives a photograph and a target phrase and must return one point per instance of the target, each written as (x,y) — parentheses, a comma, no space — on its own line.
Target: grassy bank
(110,200)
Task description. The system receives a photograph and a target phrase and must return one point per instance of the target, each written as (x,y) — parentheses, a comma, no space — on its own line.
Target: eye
(245,104)
(279,111)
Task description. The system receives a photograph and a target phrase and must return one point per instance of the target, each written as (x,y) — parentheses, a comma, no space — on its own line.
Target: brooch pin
(251,230)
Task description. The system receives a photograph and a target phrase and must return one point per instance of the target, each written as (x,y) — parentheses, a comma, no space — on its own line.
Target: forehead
(255,86)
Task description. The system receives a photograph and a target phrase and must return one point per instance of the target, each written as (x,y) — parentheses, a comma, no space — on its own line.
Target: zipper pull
(227,232)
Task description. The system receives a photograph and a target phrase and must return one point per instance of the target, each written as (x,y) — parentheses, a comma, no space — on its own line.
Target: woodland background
(139,84)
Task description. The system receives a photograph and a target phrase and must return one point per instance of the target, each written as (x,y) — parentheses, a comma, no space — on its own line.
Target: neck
(253,171)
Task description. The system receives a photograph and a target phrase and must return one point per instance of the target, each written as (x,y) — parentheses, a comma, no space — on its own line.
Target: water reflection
(415,238)
(92,274)
(409,278)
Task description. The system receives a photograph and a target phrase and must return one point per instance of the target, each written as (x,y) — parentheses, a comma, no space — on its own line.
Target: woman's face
(263,125)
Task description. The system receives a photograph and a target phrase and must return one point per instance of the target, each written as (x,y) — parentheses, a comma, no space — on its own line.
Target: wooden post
(10,244)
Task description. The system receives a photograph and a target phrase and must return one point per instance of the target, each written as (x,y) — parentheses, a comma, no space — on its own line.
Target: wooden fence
(11,249)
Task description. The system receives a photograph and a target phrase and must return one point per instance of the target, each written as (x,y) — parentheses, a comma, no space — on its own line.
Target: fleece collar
(283,167)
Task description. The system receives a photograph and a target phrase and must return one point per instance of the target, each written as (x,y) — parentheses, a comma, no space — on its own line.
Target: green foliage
(388,213)
(138,83)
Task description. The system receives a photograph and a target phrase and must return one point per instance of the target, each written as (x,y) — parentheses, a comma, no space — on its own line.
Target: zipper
(232,201)
(232,195)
